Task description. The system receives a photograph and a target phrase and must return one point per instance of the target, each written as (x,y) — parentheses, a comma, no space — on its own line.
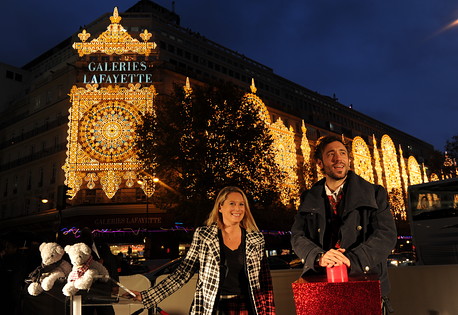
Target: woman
(229,255)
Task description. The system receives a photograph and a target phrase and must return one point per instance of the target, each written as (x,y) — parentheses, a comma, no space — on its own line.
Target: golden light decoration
(283,145)
(405,178)
(101,133)
(115,40)
(362,160)
(448,162)
(286,158)
(130,177)
(187,88)
(434,177)
(392,176)
(378,166)
(390,163)
(305,145)
(448,166)
(306,154)
(414,171)
(319,173)
(91,178)
(110,181)
(107,130)
(425,176)
(148,183)
(258,103)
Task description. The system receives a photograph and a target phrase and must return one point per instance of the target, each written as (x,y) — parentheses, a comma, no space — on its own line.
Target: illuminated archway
(392,177)
(258,104)
(378,166)
(405,178)
(390,163)
(414,171)
(362,160)
(285,156)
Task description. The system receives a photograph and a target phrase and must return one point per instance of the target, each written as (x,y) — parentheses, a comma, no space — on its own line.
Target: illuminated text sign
(117,72)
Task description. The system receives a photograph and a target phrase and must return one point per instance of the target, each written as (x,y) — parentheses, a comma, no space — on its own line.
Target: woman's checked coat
(204,257)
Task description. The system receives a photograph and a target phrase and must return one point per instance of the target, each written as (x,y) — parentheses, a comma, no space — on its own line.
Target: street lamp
(45,202)
(148,184)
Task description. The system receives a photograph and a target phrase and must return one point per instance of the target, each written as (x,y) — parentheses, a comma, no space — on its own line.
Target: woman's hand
(138,296)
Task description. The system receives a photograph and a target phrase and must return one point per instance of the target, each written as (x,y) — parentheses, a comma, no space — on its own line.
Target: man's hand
(334,257)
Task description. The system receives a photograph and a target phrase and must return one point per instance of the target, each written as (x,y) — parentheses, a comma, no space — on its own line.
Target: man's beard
(328,171)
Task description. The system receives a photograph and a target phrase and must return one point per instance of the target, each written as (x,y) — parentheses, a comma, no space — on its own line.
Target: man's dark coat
(368,232)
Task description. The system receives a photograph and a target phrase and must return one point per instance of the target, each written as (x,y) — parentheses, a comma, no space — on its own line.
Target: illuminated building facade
(38,136)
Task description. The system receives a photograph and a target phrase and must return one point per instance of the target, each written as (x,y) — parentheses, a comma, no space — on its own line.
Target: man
(343,219)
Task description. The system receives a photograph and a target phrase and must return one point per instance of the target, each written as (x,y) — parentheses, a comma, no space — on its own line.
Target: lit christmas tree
(146,142)
(213,137)
(235,145)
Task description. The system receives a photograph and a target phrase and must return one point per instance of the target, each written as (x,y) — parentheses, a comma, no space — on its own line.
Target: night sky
(396,61)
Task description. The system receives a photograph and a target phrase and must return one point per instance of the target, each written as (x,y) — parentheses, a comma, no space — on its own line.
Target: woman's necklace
(231,233)
(233,237)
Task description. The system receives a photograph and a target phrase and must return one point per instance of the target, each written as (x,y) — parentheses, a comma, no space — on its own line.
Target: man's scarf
(78,273)
(35,275)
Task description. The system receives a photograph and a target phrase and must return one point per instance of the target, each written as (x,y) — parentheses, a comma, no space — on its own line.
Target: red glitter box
(352,297)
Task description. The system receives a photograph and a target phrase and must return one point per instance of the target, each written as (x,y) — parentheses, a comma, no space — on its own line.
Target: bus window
(423,203)
(433,216)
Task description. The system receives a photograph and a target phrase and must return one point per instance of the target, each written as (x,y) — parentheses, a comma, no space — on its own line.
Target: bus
(432,212)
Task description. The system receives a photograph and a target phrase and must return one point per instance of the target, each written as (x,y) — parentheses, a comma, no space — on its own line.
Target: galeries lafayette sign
(117,72)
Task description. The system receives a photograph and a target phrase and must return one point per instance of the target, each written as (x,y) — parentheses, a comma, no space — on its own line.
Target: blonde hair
(216,216)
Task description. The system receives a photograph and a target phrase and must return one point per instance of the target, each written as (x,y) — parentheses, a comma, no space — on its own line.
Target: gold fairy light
(319,173)
(187,88)
(103,120)
(101,134)
(391,166)
(425,176)
(405,178)
(456,168)
(130,177)
(414,171)
(392,176)
(284,148)
(285,156)
(378,166)
(256,101)
(148,183)
(115,40)
(448,166)
(362,160)
(306,151)
(91,178)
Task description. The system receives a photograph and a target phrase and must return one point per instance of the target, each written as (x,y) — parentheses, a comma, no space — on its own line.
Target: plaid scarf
(35,275)
(334,203)
(78,273)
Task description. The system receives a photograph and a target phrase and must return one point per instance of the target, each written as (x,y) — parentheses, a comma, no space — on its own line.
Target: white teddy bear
(52,268)
(84,269)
